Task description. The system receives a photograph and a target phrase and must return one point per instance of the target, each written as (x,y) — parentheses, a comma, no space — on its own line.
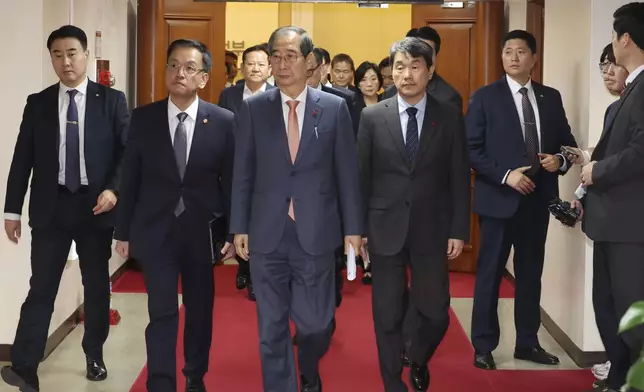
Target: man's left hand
(550,162)
(454,248)
(228,251)
(106,201)
(587,174)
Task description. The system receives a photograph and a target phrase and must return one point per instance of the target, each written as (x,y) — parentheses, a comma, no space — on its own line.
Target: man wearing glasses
(176,181)
(295,193)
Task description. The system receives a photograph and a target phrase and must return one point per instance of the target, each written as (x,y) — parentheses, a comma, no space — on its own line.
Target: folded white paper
(351,263)
(580,192)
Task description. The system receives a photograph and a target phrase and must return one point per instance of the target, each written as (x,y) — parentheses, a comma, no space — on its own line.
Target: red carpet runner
(352,362)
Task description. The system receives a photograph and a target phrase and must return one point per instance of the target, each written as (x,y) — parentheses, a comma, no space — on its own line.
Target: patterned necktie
(293,135)
(72,146)
(181,154)
(411,139)
(531,137)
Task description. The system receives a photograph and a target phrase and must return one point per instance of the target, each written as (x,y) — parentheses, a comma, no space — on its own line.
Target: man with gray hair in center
(295,192)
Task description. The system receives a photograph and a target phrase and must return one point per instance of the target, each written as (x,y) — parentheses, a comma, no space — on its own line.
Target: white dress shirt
(634,74)
(247,93)
(404,117)
(63,104)
(518,103)
(299,109)
(189,122)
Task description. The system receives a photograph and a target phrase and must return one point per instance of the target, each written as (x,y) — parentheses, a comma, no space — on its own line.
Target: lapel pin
(205,121)
(97,94)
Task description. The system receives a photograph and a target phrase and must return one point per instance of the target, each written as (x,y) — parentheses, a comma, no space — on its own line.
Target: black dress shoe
(241,281)
(536,355)
(26,381)
(405,355)
(308,386)
(251,291)
(419,377)
(96,370)
(195,384)
(484,361)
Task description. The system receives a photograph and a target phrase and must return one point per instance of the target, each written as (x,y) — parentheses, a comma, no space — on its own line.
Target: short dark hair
(231,54)
(255,48)
(523,35)
(413,47)
(319,55)
(362,71)
(607,54)
(343,58)
(384,63)
(326,56)
(427,33)
(191,43)
(68,31)
(629,19)
(306,43)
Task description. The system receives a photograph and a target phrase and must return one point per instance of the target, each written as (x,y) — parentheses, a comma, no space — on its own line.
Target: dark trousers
(185,252)
(291,282)
(618,271)
(428,305)
(526,231)
(49,252)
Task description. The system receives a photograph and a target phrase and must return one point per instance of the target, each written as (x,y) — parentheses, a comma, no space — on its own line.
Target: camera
(563,212)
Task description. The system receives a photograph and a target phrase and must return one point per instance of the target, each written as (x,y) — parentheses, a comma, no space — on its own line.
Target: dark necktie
(411,139)
(181,154)
(72,146)
(531,138)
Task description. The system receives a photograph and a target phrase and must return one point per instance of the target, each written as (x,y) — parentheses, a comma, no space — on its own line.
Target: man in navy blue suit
(295,191)
(515,130)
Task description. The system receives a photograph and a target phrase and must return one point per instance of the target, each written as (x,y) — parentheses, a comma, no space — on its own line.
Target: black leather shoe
(484,361)
(96,370)
(405,355)
(419,377)
(536,355)
(26,381)
(195,384)
(251,291)
(242,279)
(307,386)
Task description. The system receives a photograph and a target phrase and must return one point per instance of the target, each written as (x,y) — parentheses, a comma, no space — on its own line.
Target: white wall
(34,20)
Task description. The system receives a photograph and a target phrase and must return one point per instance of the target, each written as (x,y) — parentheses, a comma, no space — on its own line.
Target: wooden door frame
(535,24)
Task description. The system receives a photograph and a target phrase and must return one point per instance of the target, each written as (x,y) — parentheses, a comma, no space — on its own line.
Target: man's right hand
(241,246)
(519,181)
(13,228)
(576,204)
(123,249)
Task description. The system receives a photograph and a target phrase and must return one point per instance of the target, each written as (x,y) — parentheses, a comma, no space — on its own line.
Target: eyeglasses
(605,67)
(187,68)
(290,58)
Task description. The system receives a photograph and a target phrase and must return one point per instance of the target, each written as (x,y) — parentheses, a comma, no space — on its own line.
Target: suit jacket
(232,97)
(613,204)
(105,134)
(421,204)
(496,145)
(350,97)
(323,181)
(437,88)
(152,185)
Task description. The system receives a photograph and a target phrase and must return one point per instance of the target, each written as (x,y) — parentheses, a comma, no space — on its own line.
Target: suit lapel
(312,114)
(428,131)
(166,146)
(392,118)
(51,115)
(199,138)
(94,102)
(275,106)
(542,116)
(609,124)
(507,102)
(239,97)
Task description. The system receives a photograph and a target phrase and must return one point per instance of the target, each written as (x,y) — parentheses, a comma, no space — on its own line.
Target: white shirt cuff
(13,217)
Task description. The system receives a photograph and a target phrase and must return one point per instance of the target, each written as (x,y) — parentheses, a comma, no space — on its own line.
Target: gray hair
(306,43)
(413,47)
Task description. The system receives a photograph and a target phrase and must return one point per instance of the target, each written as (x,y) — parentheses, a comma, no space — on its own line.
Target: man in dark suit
(415,175)
(177,177)
(72,137)
(613,214)
(295,192)
(437,86)
(256,69)
(515,155)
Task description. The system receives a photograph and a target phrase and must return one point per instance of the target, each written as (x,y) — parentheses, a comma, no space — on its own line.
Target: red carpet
(352,362)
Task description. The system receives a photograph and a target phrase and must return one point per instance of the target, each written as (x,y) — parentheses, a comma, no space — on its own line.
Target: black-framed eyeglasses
(604,67)
(189,69)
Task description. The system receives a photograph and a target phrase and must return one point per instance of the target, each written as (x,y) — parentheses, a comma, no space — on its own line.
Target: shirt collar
(516,86)
(403,105)
(261,89)
(319,87)
(300,98)
(81,88)
(634,74)
(173,110)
